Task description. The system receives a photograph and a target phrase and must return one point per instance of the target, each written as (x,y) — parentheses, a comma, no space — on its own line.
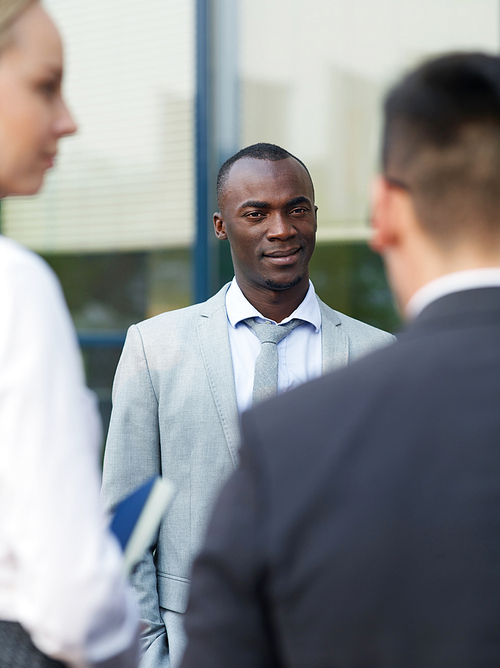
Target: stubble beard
(275,285)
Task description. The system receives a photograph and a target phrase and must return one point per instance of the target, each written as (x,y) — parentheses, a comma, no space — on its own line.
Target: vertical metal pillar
(217,132)
(226,111)
(226,79)
(203,134)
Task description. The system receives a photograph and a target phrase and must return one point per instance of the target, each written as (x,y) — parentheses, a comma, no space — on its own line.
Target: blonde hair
(9,11)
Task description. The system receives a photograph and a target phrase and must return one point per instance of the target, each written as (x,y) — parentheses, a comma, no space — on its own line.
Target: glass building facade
(120,218)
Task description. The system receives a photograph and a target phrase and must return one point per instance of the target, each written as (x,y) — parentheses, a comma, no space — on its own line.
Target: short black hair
(261,151)
(442,137)
(443,95)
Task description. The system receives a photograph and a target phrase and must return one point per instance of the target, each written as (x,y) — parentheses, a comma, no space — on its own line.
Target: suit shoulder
(354,326)
(183,317)
(362,338)
(169,318)
(331,317)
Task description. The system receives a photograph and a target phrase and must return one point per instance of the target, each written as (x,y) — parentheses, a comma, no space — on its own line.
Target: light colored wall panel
(313,77)
(126,181)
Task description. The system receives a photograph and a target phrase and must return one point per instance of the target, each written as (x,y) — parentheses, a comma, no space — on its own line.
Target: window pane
(125,181)
(314,73)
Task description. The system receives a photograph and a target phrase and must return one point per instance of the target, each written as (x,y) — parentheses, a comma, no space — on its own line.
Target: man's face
(268,216)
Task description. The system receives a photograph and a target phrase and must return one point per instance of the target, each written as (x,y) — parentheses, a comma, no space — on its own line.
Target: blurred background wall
(165,90)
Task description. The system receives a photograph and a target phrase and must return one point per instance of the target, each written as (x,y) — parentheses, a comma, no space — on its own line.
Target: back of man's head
(442,142)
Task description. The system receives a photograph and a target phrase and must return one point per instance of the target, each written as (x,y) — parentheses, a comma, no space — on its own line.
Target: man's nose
(280,226)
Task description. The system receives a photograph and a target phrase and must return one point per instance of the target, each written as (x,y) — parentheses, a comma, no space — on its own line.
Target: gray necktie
(265,384)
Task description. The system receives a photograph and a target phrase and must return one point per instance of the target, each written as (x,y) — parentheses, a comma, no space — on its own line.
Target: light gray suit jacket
(175,414)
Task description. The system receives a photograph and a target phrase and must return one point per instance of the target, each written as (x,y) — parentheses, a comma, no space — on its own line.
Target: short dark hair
(442,139)
(261,151)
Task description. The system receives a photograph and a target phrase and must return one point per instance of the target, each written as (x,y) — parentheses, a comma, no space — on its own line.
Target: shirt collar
(455,282)
(239,308)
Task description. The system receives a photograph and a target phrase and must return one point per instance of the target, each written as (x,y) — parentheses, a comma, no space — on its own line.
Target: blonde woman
(63,597)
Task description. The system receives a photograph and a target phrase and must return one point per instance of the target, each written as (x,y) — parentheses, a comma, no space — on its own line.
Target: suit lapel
(216,352)
(334,343)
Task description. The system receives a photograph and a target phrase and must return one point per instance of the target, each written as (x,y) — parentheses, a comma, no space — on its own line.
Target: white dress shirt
(60,569)
(468,279)
(299,353)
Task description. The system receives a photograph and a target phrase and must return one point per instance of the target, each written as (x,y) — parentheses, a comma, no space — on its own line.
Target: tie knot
(268,332)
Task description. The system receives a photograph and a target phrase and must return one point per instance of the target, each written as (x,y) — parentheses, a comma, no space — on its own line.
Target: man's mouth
(284,256)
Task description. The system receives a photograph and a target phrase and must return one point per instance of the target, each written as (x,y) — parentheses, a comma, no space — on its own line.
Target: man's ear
(219,226)
(382,216)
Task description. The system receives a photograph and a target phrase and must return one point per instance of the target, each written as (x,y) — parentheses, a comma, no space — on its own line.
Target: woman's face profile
(33,115)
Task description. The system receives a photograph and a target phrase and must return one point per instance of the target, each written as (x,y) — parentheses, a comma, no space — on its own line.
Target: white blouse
(60,569)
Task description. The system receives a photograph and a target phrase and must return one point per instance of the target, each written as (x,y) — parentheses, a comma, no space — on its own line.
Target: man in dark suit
(362,527)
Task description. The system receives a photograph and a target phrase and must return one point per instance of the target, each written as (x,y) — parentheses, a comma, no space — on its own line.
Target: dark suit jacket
(362,528)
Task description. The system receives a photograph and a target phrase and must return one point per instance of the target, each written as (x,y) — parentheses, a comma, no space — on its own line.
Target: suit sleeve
(226,619)
(132,456)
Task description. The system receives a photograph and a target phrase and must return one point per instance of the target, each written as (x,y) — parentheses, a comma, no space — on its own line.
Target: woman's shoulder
(14,254)
(23,272)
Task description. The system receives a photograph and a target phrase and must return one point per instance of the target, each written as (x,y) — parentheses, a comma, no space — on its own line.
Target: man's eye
(255,214)
(299,210)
